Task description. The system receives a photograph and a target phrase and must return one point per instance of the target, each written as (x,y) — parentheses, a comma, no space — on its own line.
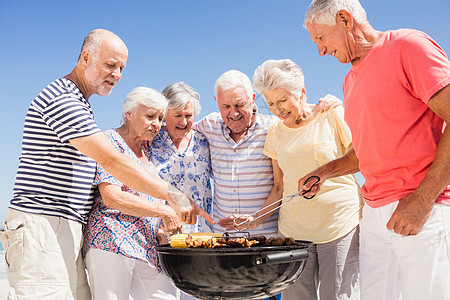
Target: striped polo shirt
(53,178)
(243,175)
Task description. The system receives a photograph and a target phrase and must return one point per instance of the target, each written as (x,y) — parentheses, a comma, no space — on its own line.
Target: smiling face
(179,122)
(333,40)
(236,109)
(285,105)
(144,122)
(104,69)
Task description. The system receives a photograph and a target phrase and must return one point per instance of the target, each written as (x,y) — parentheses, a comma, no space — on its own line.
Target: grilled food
(179,240)
(211,240)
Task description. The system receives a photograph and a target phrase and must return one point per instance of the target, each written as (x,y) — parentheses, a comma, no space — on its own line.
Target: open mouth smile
(284,116)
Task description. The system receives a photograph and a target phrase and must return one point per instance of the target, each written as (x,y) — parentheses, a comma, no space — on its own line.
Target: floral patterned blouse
(189,171)
(110,230)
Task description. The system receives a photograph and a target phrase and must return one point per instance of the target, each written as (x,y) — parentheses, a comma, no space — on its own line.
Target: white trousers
(43,257)
(397,267)
(114,276)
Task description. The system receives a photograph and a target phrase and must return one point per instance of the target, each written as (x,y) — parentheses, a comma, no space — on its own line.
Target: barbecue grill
(234,273)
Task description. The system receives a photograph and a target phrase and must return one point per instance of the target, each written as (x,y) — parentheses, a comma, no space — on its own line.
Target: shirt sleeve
(426,65)
(200,126)
(342,129)
(101,175)
(269,146)
(69,118)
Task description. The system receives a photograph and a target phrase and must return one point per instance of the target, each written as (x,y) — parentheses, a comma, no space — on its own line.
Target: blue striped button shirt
(243,175)
(53,178)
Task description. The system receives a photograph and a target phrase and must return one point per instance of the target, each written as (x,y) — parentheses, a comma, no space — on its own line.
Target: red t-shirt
(394,133)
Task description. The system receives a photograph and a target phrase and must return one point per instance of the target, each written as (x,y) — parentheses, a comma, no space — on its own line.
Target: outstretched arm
(130,204)
(414,210)
(347,164)
(126,170)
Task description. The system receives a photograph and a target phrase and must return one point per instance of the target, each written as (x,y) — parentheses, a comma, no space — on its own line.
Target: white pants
(398,267)
(114,276)
(43,257)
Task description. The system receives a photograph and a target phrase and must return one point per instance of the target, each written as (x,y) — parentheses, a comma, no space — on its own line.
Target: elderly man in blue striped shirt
(243,175)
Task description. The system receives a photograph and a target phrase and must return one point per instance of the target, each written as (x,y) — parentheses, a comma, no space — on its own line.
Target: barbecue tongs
(301,192)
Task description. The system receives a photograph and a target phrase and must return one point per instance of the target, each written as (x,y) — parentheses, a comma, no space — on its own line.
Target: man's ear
(85,58)
(344,18)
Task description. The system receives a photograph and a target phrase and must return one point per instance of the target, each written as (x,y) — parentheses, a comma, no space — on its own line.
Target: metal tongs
(301,192)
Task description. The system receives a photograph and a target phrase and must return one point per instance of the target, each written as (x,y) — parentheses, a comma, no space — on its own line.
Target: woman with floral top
(124,224)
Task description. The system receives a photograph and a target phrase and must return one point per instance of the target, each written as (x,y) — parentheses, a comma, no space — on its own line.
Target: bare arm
(347,164)
(130,204)
(414,210)
(126,170)
(276,193)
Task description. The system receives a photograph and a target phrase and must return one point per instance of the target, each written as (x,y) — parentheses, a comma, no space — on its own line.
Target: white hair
(232,79)
(324,11)
(274,74)
(178,94)
(145,96)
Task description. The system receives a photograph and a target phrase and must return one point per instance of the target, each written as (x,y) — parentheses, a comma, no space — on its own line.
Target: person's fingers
(405,231)
(305,185)
(179,229)
(397,227)
(191,218)
(205,215)
(225,223)
(184,217)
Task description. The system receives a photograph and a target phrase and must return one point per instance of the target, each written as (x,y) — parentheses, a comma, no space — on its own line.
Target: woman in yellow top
(303,139)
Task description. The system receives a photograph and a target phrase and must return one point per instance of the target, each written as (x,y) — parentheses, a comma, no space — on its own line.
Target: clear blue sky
(192,40)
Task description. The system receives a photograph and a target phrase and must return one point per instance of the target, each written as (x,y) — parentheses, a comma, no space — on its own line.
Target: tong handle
(317,181)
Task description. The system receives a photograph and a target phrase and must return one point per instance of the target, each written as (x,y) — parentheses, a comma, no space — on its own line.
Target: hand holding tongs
(301,192)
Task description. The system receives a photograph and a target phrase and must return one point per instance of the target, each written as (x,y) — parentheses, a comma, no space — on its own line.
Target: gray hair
(178,94)
(145,96)
(92,43)
(232,79)
(274,74)
(324,11)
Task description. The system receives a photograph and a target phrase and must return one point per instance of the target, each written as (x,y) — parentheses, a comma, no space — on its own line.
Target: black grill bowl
(233,273)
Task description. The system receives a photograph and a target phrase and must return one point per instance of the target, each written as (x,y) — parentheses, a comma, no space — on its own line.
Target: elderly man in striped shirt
(243,175)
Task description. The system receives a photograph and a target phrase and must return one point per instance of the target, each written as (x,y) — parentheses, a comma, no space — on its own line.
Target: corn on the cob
(179,240)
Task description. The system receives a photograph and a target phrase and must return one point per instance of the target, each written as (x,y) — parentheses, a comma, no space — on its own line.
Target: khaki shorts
(43,257)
